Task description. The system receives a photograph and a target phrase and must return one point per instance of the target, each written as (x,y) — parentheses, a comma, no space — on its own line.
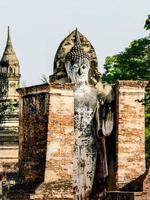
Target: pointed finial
(8,38)
(9,53)
(8,30)
(77,38)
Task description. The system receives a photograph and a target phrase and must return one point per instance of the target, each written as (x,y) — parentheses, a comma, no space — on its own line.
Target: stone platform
(43,191)
(110,196)
(62,190)
(128,195)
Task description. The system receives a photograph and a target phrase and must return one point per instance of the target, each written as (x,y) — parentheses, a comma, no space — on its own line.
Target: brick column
(33,117)
(60,139)
(46,142)
(130,137)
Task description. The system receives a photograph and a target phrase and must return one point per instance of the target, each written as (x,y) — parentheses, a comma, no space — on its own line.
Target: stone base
(34,197)
(62,190)
(110,196)
(44,191)
(128,195)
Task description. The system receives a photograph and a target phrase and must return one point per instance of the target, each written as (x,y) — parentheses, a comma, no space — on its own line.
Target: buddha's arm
(106,91)
(107,121)
(105,114)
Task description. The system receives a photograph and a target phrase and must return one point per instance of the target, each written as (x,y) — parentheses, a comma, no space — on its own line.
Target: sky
(38,26)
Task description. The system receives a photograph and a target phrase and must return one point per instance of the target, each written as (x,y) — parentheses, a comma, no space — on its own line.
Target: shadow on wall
(111,154)
(34,142)
(111,160)
(138,184)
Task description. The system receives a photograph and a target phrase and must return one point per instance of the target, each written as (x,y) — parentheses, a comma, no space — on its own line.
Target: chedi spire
(9,54)
(9,43)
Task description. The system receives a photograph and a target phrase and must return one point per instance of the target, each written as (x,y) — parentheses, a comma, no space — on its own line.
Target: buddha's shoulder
(93,89)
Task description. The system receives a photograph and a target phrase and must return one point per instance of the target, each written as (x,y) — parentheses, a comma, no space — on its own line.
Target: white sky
(38,26)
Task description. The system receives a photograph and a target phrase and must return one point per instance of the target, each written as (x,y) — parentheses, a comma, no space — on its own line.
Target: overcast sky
(38,26)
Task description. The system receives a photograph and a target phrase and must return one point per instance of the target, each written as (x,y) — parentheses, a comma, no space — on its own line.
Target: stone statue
(93,121)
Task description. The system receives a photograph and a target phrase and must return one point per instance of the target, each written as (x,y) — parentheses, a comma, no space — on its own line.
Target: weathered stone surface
(33,134)
(146,183)
(128,196)
(60,139)
(109,196)
(46,136)
(130,139)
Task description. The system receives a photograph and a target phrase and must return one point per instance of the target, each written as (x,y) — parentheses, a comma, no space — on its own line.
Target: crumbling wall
(55,103)
(130,137)
(33,135)
(46,137)
(60,140)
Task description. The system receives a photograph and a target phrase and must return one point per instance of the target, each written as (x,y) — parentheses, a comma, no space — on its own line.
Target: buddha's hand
(107,123)
(106,120)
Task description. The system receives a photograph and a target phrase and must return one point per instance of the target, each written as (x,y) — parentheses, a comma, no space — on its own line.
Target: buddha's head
(77,63)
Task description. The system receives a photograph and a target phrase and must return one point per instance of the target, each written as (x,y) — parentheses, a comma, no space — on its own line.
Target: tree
(147,23)
(6,106)
(133,64)
(44,79)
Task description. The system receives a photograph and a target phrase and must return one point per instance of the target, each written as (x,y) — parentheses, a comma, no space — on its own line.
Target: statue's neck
(81,87)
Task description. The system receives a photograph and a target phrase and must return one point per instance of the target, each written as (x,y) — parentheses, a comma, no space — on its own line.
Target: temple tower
(9,82)
(9,68)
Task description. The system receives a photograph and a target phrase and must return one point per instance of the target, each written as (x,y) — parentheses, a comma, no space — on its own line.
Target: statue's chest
(85,107)
(84,115)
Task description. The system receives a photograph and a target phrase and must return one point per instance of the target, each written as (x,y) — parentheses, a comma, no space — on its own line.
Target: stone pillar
(130,137)
(60,140)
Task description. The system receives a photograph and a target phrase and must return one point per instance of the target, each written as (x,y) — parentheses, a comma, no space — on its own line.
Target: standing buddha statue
(93,121)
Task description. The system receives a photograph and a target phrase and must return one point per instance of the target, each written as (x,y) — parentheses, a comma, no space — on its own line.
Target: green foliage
(133,64)
(147,23)
(147,144)
(147,124)
(3,85)
(44,79)
(6,106)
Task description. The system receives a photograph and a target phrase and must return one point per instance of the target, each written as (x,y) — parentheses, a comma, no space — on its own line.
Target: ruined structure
(9,82)
(59,155)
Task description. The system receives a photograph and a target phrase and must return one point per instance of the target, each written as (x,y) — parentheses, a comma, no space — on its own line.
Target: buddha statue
(93,122)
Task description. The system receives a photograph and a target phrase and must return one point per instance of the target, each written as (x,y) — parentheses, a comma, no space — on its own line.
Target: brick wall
(130,138)
(58,146)
(60,140)
(33,133)
(46,135)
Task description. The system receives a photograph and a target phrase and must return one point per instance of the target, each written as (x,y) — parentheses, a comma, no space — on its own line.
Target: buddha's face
(78,72)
